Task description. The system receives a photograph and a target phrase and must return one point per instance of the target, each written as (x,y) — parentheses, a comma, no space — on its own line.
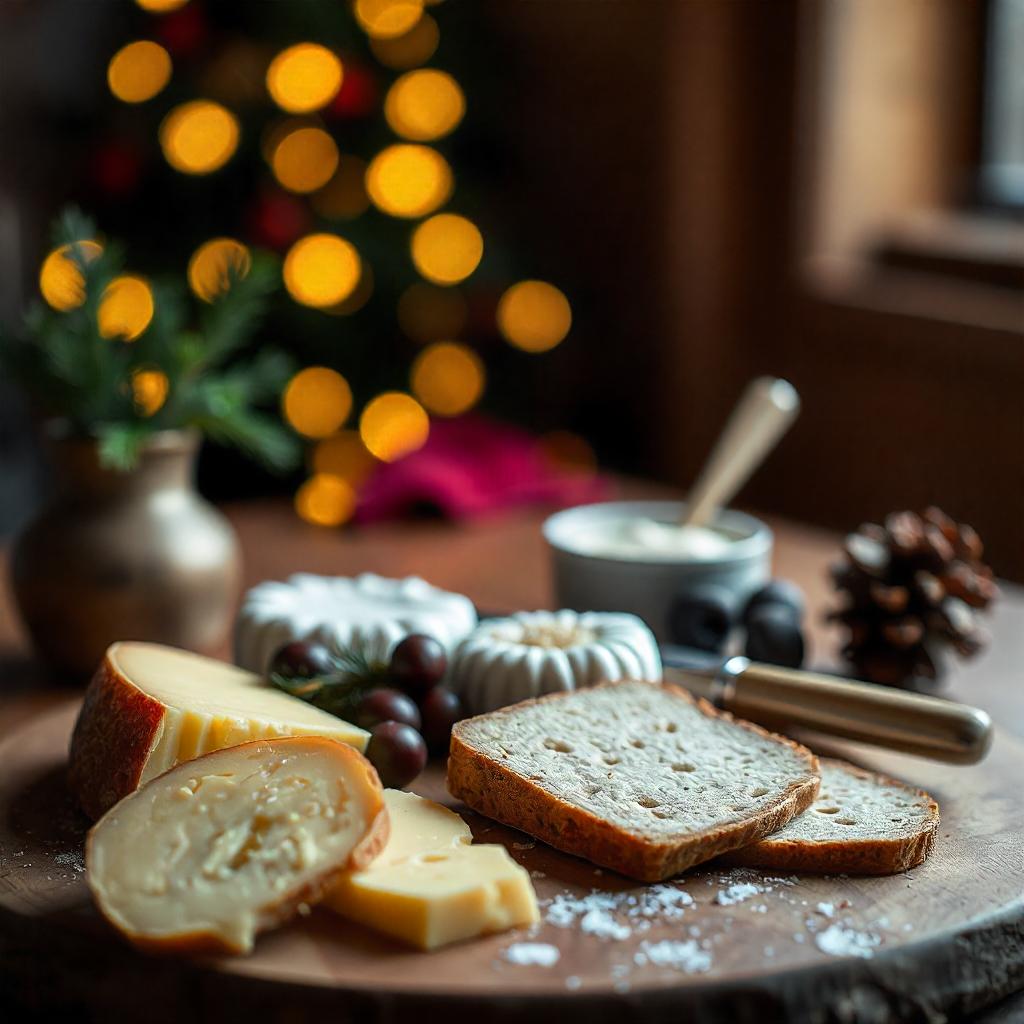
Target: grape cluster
(401,704)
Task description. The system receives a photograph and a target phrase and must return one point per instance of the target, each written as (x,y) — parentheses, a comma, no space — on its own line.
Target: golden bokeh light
(424,105)
(317,401)
(138,71)
(321,270)
(304,78)
(568,452)
(360,296)
(427,313)
(199,137)
(161,6)
(325,500)
(60,280)
(392,425)
(447,248)
(411,49)
(149,390)
(344,196)
(408,180)
(126,308)
(387,19)
(448,378)
(534,316)
(343,455)
(305,159)
(212,264)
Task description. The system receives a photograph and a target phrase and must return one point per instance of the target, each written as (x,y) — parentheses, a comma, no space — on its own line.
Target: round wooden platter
(945,937)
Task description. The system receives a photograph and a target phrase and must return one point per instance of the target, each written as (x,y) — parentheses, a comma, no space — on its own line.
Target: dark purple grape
(418,664)
(302,659)
(702,617)
(398,753)
(774,636)
(441,709)
(776,592)
(386,705)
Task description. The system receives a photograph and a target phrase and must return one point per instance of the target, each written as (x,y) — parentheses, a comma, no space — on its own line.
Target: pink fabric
(472,466)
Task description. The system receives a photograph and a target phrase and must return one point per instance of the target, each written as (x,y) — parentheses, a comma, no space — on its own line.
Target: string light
(126,308)
(212,264)
(344,196)
(138,71)
(305,159)
(410,50)
(60,281)
(325,500)
(534,316)
(448,378)
(199,137)
(424,105)
(149,390)
(304,78)
(161,6)
(408,180)
(321,270)
(317,401)
(386,19)
(426,313)
(343,455)
(447,248)
(392,425)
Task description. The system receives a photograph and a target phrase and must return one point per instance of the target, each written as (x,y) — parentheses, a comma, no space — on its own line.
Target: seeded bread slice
(862,823)
(637,777)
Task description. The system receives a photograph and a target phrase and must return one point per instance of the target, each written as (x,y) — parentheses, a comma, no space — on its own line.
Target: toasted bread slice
(217,849)
(637,777)
(862,823)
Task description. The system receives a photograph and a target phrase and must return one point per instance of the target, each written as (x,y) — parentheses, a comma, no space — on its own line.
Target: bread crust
(879,856)
(491,789)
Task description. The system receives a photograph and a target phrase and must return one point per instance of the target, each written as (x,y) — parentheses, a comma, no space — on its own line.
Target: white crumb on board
(617,916)
(826,909)
(738,893)
(839,940)
(532,954)
(683,955)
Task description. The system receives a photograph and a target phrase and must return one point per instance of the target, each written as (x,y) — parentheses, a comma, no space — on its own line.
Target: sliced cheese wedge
(220,848)
(150,707)
(429,887)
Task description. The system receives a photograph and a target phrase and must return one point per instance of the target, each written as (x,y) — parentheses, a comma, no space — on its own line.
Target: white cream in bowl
(640,537)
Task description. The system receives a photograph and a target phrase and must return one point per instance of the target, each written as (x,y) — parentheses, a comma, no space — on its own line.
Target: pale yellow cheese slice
(429,887)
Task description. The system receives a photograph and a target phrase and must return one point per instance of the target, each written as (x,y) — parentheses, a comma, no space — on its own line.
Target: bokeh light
(361,294)
(392,425)
(447,248)
(321,270)
(424,105)
(448,378)
(199,137)
(408,180)
(211,266)
(138,71)
(126,308)
(60,280)
(387,19)
(317,401)
(304,78)
(344,196)
(343,455)
(568,452)
(428,313)
(161,6)
(411,49)
(149,390)
(325,500)
(534,316)
(305,159)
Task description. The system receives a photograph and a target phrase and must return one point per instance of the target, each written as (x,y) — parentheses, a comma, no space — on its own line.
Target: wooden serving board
(943,938)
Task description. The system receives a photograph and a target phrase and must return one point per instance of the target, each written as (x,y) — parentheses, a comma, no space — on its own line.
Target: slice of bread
(637,777)
(862,823)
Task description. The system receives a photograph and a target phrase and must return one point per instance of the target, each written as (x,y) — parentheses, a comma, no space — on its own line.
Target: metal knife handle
(911,722)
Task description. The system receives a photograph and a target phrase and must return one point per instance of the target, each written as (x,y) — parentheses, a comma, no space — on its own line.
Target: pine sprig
(339,691)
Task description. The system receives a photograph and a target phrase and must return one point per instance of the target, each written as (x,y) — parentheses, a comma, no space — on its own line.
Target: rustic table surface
(502,565)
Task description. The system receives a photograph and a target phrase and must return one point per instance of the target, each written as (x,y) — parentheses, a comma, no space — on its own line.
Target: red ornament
(276,220)
(357,96)
(116,168)
(183,31)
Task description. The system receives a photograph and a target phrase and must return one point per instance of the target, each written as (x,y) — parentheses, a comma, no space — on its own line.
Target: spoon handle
(764,413)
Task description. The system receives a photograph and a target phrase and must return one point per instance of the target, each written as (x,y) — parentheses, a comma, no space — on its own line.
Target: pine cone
(910,588)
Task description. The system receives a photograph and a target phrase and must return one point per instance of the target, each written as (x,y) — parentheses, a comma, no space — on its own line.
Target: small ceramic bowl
(590,582)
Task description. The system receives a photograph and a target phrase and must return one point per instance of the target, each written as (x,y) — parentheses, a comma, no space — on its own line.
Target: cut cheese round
(215,850)
(149,707)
